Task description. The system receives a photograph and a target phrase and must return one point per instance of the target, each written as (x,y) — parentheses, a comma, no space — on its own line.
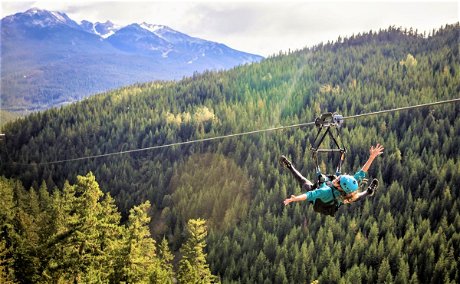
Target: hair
(349,197)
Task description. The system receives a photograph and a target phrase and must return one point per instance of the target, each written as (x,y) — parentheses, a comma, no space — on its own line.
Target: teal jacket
(327,195)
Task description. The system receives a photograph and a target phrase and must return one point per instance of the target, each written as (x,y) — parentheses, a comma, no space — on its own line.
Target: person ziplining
(330,192)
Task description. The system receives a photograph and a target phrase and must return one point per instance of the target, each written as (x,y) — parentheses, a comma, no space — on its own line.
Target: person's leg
(369,191)
(372,188)
(304,183)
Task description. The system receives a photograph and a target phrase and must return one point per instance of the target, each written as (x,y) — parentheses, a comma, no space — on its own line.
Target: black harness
(325,122)
(331,207)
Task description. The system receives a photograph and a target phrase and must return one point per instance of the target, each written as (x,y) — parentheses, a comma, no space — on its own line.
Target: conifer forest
(213,211)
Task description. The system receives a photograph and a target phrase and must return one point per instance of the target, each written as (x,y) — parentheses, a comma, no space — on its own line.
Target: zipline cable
(402,108)
(177,143)
(236,134)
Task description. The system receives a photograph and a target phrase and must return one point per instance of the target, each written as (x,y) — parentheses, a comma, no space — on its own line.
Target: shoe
(373,187)
(284,162)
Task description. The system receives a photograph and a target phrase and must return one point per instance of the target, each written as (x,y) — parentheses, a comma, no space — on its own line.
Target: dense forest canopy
(409,231)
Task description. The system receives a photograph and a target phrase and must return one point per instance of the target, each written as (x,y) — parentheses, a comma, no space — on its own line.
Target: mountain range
(48,59)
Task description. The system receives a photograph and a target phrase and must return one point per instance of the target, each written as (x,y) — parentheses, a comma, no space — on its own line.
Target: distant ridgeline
(50,60)
(409,231)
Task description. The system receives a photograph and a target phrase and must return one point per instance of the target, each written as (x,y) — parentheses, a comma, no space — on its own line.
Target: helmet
(348,183)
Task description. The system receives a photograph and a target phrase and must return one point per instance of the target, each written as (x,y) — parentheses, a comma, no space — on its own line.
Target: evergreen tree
(403,272)
(193,267)
(353,275)
(414,279)
(384,273)
(6,272)
(111,235)
(26,242)
(81,247)
(140,260)
(7,215)
(280,276)
(164,273)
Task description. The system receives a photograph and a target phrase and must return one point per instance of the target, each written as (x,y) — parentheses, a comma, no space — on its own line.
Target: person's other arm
(374,152)
(294,198)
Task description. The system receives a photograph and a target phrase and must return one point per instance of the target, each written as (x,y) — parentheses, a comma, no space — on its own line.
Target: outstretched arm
(374,152)
(294,198)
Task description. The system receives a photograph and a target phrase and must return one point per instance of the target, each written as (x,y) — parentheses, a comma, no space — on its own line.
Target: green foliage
(409,62)
(75,235)
(192,266)
(215,189)
(139,257)
(78,251)
(6,117)
(6,271)
(408,232)
(164,273)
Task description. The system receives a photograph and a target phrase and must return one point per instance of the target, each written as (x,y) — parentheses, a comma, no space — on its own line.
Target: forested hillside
(6,117)
(408,232)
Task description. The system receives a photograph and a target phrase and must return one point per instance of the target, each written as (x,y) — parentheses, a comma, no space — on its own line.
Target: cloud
(9,7)
(272,26)
(257,26)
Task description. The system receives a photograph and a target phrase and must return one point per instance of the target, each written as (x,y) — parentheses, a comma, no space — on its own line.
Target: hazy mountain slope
(48,59)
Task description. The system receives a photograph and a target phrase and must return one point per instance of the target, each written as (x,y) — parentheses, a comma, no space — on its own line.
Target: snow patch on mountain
(104,30)
(58,16)
(151,28)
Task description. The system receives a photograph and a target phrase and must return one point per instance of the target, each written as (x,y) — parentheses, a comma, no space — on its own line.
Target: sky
(263,27)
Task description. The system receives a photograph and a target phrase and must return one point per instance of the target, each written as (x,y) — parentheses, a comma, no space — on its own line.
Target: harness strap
(324,124)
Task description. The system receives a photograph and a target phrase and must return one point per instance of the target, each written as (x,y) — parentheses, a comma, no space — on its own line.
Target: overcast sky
(258,26)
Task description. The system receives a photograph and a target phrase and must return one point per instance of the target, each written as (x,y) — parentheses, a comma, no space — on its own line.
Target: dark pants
(304,183)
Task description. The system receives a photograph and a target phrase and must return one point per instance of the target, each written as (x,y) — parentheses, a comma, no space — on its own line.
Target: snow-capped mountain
(135,38)
(48,58)
(103,30)
(41,18)
(169,34)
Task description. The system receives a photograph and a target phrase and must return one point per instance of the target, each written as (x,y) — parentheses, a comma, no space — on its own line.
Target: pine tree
(403,271)
(139,252)
(80,248)
(7,213)
(353,275)
(26,241)
(164,273)
(110,237)
(414,279)
(193,267)
(46,207)
(384,273)
(280,275)
(6,271)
